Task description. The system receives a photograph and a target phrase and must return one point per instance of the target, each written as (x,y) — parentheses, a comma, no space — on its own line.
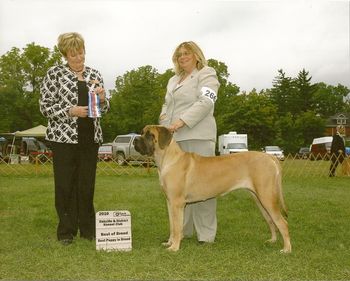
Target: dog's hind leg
(268,219)
(270,204)
(282,226)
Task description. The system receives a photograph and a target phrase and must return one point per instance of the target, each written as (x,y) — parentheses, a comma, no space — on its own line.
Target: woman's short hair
(71,41)
(192,47)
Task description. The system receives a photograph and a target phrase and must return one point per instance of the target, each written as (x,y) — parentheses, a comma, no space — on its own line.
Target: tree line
(290,114)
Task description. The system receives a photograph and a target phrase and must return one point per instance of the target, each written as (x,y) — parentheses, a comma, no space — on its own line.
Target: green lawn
(319,221)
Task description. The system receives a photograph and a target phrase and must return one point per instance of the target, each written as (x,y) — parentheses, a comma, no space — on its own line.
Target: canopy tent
(38,131)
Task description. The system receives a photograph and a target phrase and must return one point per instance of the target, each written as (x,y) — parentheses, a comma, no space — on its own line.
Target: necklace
(77,71)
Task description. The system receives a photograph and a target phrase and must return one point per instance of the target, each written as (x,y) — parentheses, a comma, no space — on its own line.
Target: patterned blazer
(59,92)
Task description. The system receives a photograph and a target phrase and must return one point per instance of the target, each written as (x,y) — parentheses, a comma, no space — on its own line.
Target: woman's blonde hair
(71,41)
(340,129)
(192,47)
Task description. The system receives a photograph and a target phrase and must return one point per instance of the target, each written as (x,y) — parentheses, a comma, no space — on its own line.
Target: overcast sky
(253,38)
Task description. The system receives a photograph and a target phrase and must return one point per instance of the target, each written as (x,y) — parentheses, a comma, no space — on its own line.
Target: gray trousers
(200,216)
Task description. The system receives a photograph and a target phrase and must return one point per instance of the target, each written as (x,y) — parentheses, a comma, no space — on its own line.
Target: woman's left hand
(101,93)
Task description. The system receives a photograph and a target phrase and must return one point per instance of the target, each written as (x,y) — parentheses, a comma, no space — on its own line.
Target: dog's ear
(164,137)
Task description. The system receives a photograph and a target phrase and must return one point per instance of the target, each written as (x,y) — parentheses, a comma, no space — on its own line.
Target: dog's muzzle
(142,147)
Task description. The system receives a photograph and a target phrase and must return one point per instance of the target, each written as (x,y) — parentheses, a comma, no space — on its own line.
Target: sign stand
(113,231)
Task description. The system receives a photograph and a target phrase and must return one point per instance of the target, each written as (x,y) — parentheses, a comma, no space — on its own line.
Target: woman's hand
(162,117)
(78,111)
(101,93)
(176,125)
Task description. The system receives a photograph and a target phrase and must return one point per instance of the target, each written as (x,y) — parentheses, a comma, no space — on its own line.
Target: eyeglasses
(185,54)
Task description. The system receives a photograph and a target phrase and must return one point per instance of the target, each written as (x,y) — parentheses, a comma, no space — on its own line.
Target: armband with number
(209,93)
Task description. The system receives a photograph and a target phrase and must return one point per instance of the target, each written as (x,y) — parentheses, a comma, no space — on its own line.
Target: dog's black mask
(144,144)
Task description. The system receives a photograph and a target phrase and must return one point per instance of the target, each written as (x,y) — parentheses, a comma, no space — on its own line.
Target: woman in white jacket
(188,112)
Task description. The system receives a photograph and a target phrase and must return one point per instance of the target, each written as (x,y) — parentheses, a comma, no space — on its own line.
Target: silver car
(274,150)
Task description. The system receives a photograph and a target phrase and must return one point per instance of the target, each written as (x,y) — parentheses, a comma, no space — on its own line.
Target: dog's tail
(282,203)
(279,187)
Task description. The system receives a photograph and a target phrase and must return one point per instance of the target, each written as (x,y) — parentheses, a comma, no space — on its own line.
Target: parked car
(37,150)
(274,150)
(3,143)
(105,152)
(124,150)
(303,153)
(29,145)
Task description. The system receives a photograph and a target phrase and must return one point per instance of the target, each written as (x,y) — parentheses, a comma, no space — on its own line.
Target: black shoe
(66,242)
(89,238)
(205,242)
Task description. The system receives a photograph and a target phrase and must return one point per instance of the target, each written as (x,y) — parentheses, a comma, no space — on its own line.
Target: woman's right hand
(176,125)
(162,117)
(78,111)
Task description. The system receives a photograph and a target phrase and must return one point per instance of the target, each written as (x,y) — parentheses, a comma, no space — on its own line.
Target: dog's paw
(167,243)
(285,251)
(173,248)
(271,241)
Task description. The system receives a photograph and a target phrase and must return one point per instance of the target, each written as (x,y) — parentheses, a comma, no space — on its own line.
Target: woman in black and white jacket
(74,136)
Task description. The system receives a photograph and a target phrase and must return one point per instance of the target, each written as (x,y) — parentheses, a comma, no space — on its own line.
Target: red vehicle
(105,152)
(321,148)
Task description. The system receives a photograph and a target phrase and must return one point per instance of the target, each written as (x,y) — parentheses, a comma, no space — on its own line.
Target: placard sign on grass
(113,231)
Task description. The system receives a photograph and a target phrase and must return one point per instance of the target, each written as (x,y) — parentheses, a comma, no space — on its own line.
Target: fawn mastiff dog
(346,167)
(187,177)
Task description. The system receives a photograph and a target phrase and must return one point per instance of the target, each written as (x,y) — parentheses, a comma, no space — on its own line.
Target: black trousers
(75,172)
(336,158)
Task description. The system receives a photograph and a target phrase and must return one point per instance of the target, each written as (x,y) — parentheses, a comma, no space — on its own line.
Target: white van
(232,143)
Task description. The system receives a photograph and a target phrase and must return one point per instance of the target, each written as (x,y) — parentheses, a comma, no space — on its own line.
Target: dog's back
(252,170)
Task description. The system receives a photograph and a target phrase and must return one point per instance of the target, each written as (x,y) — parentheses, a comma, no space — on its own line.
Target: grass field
(319,221)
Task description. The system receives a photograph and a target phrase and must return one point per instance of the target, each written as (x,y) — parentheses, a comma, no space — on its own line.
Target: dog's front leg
(170,240)
(176,228)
